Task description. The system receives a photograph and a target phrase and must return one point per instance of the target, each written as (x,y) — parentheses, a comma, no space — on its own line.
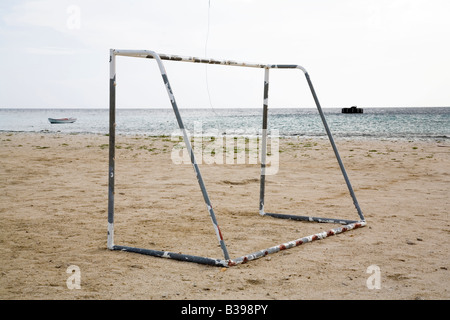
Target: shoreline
(53,204)
(437,139)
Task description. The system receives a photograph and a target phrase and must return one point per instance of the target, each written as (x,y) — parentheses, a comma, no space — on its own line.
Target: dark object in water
(352,110)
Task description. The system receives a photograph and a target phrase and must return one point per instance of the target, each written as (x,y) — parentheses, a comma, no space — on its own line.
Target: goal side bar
(187,142)
(330,137)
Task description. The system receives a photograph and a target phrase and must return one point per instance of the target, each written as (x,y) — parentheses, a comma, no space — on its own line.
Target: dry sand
(53,214)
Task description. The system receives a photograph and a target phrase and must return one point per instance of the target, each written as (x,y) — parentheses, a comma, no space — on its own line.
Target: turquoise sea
(375,123)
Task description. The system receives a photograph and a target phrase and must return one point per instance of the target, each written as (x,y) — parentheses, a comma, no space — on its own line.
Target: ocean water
(375,123)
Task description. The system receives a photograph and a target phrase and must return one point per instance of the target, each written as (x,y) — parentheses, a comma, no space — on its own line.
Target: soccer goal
(226,261)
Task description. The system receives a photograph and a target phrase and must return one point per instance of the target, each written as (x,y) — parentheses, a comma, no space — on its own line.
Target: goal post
(226,260)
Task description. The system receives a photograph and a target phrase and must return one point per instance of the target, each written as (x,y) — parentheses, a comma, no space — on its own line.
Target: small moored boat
(62,120)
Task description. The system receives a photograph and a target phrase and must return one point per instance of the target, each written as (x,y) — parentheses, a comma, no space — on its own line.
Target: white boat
(62,120)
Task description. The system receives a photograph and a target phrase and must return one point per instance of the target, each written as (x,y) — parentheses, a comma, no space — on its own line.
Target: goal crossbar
(226,261)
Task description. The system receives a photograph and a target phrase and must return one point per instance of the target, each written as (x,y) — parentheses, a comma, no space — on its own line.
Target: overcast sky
(370,53)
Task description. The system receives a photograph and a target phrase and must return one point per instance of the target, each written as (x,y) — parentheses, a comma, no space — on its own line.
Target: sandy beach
(53,215)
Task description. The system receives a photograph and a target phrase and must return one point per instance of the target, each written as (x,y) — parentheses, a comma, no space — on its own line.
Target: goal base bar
(311,219)
(246,258)
(172,255)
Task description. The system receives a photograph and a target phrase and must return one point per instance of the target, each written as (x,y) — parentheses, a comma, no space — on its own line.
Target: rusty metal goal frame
(226,261)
